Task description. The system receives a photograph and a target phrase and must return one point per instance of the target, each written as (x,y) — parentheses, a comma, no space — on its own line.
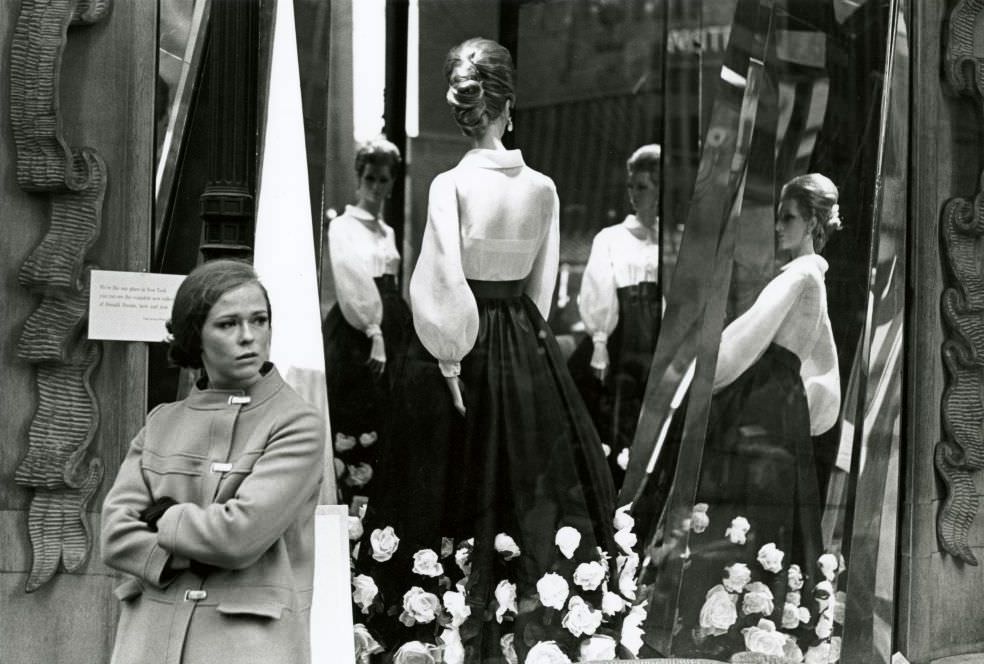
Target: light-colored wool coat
(245,468)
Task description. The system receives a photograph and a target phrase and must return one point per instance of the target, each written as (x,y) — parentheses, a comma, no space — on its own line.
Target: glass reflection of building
(741,94)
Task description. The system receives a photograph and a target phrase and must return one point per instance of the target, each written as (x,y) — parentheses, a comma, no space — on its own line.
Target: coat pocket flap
(128,590)
(262,608)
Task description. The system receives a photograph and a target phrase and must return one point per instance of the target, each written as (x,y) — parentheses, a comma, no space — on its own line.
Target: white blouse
(791,311)
(490,218)
(621,255)
(362,248)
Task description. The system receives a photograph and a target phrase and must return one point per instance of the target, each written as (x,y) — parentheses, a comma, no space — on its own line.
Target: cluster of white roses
(737,592)
(450,611)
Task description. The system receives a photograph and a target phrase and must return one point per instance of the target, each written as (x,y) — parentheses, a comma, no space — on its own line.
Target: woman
(211,515)
(776,385)
(620,307)
(507,454)
(367,331)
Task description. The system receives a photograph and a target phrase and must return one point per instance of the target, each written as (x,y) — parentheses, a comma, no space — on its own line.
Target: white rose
(623,458)
(359,475)
(454,649)
(765,639)
(623,520)
(507,644)
(606,449)
(365,645)
(505,595)
(598,647)
(364,591)
(738,529)
(626,539)
(828,566)
(425,563)
(631,634)
(567,540)
(553,590)
(344,443)
(824,653)
(793,615)
(580,618)
(546,652)
(506,545)
(368,438)
(415,652)
(589,575)
(793,597)
(770,558)
(384,543)
(612,603)
(419,606)
(454,604)
(462,556)
(737,577)
(355,531)
(757,599)
(794,576)
(823,592)
(825,625)
(699,521)
(719,612)
(628,566)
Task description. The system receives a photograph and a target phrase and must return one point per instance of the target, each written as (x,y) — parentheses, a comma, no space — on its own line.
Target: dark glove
(152,514)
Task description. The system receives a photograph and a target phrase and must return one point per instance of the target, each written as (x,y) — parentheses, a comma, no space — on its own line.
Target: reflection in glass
(815,110)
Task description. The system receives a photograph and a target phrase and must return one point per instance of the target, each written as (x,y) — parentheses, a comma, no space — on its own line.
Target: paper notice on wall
(130,306)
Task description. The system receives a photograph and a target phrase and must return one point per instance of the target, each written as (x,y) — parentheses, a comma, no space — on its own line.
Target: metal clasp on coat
(195,595)
(239,400)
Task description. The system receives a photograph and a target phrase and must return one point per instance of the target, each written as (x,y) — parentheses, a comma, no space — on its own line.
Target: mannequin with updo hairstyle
(494,440)
(776,387)
(480,83)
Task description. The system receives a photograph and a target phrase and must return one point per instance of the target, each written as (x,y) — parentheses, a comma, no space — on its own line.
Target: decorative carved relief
(960,454)
(57,464)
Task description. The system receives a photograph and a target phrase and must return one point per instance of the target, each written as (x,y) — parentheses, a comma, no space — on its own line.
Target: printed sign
(130,306)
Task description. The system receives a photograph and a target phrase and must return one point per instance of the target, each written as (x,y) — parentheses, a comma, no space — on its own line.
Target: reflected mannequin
(367,331)
(755,540)
(620,307)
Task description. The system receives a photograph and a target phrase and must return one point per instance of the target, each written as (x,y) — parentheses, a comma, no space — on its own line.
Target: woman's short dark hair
(378,152)
(480,81)
(646,159)
(816,196)
(200,290)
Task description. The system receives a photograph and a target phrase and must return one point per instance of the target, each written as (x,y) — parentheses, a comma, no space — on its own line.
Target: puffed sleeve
(598,301)
(127,543)
(355,289)
(543,277)
(236,533)
(821,379)
(445,314)
(745,339)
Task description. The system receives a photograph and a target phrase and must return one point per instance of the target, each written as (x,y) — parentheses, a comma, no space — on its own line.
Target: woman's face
(794,232)
(644,194)
(375,185)
(236,338)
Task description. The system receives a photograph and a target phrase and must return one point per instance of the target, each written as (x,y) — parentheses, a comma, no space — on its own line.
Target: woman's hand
(377,355)
(457,398)
(600,360)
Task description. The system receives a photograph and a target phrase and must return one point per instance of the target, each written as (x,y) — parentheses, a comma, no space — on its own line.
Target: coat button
(195,595)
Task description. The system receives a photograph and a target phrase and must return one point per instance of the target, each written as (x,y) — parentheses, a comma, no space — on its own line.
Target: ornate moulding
(56,466)
(960,453)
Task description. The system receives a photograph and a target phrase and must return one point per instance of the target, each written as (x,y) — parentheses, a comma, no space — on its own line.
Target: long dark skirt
(758,463)
(524,461)
(360,403)
(615,403)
